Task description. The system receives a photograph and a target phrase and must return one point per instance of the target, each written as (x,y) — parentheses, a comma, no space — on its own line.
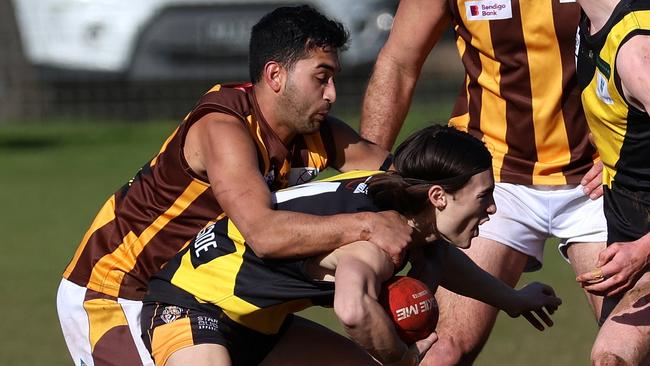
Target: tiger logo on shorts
(170,313)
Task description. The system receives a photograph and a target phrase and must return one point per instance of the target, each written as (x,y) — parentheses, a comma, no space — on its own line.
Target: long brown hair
(437,154)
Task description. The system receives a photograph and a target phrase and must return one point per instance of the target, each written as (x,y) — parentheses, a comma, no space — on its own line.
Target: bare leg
(456,344)
(583,257)
(624,338)
(308,343)
(200,355)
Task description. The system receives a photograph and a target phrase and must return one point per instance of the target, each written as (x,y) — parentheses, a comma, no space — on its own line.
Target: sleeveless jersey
(520,94)
(161,209)
(218,272)
(621,131)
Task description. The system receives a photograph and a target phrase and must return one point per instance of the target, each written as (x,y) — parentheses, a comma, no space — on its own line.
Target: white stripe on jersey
(304,190)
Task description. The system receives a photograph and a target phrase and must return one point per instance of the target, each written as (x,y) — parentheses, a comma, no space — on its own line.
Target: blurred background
(89,90)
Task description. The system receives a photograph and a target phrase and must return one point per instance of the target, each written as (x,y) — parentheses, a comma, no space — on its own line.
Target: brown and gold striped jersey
(520,93)
(161,209)
(621,131)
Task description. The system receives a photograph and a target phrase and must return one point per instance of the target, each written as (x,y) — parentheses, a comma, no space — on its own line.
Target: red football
(411,306)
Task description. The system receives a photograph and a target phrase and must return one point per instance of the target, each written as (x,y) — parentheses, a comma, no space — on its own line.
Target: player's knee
(607,358)
(449,351)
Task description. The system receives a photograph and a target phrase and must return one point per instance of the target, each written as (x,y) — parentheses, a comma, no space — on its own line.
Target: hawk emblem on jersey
(170,313)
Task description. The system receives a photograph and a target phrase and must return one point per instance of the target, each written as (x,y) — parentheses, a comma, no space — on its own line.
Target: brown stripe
(508,44)
(566,19)
(473,68)
(166,243)
(107,239)
(117,347)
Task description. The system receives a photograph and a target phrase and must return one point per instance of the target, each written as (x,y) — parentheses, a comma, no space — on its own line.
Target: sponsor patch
(488,10)
(207,323)
(602,91)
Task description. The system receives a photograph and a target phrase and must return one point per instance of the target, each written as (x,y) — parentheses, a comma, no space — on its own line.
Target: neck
(267,102)
(598,12)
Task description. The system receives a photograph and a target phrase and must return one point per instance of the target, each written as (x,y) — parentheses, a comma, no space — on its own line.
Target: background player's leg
(200,355)
(308,343)
(583,257)
(624,338)
(465,323)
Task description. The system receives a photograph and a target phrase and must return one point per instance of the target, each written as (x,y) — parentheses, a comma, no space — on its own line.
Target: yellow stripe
(103,315)
(215,88)
(493,119)
(351,175)
(164,147)
(105,215)
(108,271)
(169,338)
(545,66)
(255,129)
(317,158)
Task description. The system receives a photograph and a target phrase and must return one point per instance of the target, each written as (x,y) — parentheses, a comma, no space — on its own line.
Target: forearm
(286,234)
(385,108)
(355,304)
(463,276)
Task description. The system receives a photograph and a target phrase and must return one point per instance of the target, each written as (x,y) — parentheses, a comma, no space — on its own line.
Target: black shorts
(628,218)
(167,328)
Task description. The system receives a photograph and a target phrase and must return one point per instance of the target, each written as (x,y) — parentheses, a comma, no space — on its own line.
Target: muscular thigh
(626,332)
(308,343)
(583,258)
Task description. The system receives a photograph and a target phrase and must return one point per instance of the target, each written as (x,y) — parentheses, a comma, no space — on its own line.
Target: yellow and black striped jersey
(520,94)
(621,131)
(162,208)
(219,271)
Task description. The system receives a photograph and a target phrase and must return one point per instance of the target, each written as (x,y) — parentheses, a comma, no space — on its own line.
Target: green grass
(54,176)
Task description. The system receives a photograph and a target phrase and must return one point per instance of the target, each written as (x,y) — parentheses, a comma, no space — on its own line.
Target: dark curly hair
(437,154)
(288,34)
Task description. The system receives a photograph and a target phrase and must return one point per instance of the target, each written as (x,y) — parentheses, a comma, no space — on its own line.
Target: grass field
(54,177)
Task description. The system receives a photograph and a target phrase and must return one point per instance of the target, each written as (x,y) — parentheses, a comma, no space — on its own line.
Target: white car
(169,40)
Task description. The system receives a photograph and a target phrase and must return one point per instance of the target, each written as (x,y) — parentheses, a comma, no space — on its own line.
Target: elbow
(352,314)
(259,246)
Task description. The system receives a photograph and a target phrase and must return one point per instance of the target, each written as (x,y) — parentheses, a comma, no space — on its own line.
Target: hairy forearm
(286,234)
(387,101)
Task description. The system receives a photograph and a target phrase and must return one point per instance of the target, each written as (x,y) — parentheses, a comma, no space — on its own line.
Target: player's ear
(274,75)
(437,197)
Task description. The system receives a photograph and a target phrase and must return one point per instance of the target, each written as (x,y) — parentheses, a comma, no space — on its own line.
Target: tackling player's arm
(352,151)
(416,29)
(219,146)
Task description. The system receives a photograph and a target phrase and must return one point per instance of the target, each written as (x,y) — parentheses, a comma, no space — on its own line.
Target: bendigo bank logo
(488,9)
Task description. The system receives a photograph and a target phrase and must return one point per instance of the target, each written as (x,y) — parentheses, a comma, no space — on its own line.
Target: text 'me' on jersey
(520,94)
(161,209)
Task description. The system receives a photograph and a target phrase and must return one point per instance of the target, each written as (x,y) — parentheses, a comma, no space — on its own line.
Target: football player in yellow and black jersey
(520,96)
(236,145)
(218,300)
(614,74)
